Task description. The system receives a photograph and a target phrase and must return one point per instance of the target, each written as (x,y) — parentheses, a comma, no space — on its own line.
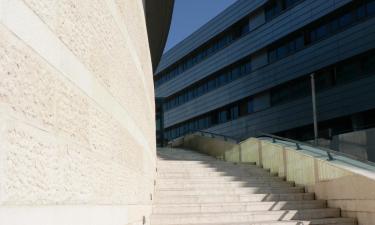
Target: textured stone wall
(76,112)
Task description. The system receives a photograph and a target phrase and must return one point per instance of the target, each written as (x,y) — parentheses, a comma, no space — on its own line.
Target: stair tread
(254,212)
(240,203)
(325,221)
(196,189)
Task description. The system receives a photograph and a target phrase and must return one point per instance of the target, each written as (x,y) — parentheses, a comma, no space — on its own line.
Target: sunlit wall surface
(77,127)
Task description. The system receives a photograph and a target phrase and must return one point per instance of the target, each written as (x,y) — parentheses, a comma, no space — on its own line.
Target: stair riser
(205,167)
(162,193)
(244,217)
(278,223)
(239,176)
(192,169)
(221,199)
(217,179)
(246,207)
(199,166)
(198,186)
(211,171)
(219,171)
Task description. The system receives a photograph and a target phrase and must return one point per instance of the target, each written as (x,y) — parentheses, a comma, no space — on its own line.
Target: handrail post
(330,158)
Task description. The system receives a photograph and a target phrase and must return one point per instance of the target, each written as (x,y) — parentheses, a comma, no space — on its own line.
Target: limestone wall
(77,132)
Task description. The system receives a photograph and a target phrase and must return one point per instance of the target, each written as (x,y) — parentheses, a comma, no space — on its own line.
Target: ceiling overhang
(158,19)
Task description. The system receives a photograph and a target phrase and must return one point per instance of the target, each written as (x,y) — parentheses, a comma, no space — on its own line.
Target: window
(223,79)
(234,112)
(245,29)
(347,71)
(291,46)
(280,94)
(214,118)
(346,19)
(211,84)
(250,106)
(324,79)
(369,65)
(282,51)
(334,25)
(272,56)
(199,91)
(273,9)
(248,67)
(195,92)
(300,42)
(242,108)
(299,88)
(201,124)
(261,101)
(322,32)
(191,94)
(290,3)
(223,117)
(370,8)
(360,12)
(236,73)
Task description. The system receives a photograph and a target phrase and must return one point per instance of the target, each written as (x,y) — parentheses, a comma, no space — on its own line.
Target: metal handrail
(297,143)
(207,134)
(213,135)
(328,151)
(274,139)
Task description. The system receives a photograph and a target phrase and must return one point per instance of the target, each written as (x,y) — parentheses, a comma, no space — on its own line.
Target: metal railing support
(330,158)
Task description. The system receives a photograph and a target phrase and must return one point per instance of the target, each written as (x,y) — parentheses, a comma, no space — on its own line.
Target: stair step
(237,207)
(211,171)
(280,215)
(228,191)
(216,179)
(216,185)
(214,175)
(196,189)
(325,221)
(234,198)
(204,164)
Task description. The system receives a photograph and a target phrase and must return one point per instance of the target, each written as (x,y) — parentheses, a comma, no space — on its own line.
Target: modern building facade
(248,71)
(77,136)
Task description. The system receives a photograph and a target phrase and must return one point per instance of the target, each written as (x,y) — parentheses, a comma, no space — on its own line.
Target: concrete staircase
(192,188)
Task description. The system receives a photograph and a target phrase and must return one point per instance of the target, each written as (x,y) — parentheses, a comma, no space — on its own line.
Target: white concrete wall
(77,141)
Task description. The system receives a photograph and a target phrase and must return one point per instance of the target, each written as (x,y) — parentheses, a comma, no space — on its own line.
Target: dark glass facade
(222,40)
(262,82)
(333,76)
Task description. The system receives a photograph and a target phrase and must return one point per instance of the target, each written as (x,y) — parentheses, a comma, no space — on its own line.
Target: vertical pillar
(285,163)
(315,119)
(260,153)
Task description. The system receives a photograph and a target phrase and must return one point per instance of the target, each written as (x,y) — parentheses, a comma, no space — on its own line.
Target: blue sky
(189,15)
